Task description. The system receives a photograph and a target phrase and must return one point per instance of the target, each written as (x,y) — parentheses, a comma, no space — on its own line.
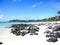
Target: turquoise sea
(7,24)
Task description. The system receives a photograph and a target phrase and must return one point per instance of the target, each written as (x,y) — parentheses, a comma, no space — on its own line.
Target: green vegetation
(58,12)
(56,18)
(24,20)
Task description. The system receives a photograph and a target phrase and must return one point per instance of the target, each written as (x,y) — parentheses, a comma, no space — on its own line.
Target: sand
(10,39)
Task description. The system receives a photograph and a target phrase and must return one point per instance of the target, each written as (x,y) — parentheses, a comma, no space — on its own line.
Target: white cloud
(37,4)
(1,16)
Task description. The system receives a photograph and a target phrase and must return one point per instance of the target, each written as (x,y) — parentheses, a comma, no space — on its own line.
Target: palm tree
(58,16)
(58,12)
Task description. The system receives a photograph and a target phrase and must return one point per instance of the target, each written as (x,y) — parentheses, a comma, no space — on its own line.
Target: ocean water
(7,24)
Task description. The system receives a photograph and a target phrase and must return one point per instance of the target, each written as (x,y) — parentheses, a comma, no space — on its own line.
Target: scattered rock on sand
(1,43)
(54,35)
(52,39)
(23,29)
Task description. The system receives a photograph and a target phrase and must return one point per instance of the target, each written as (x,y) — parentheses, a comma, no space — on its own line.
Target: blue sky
(28,9)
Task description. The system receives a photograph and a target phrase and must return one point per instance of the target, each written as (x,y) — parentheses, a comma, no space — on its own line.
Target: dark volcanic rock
(48,35)
(56,28)
(50,27)
(33,27)
(23,29)
(1,43)
(54,35)
(47,31)
(52,39)
(24,32)
(20,26)
(57,34)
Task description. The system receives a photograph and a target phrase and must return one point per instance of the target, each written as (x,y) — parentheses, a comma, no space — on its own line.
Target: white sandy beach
(9,39)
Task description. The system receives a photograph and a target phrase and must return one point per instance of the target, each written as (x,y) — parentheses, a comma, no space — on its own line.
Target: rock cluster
(1,43)
(54,35)
(23,29)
